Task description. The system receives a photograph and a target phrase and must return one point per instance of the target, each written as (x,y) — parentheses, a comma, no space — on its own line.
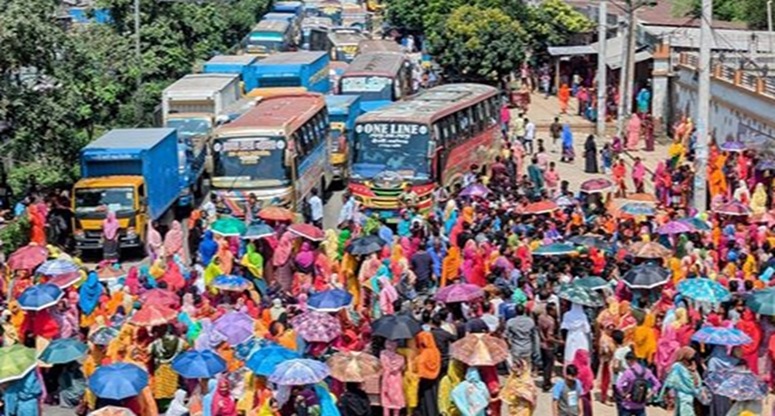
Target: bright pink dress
(392,391)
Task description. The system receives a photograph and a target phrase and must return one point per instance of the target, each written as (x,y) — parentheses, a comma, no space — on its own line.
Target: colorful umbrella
(732,146)
(16,361)
(646,276)
(63,281)
(540,207)
(459,292)
(57,268)
(308,231)
(198,364)
(595,186)
(236,327)
(590,241)
(39,297)
(555,249)
(479,350)
(110,273)
(276,214)
(565,201)
(27,257)
(160,297)
(762,301)
(734,209)
(395,327)
(118,381)
(63,350)
(299,372)
(365,245)
(229,227)
(103,336)
(231,283)
(153,315)
(642,198)
(765,218)
(264,361)
(317,326)
(738,385)
(696,223)
(675,227)
(592,283)
(649,250)
(704,290)
(330,300)
(581,295)
(257,231)
(766,165)
(475,190)
(638,208)
(717,335)
(354,366)
(112,411)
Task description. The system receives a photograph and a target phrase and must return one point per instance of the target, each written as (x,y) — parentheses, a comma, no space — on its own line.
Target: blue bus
(379,78)
(292,19)
(268,37)
(291,72)
(293,7)
(342,112)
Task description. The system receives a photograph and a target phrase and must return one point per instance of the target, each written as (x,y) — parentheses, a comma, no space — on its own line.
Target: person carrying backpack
(635,387)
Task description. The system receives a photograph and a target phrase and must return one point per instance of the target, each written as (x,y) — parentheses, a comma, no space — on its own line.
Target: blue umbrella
(57,267)
(299,372)
(716,335)
(198,364)
(704,290)
(638,208)
(555,249)
(264,361)
(118,381)
(103,336)
(330,300)
(257,231)
(736,384)
(63,350)
(231,283)
(39,297)
(697,223)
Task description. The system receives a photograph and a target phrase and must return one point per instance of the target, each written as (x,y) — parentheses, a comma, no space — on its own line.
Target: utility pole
(623,68)
(769,24)
(632,34)
(602,35)
(703,110)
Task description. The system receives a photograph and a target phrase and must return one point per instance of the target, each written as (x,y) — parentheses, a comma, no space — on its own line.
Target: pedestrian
(583,98)
(607,158)
(110,237)
(536,176)
(568,154)
(638,175)
(316,208)
(547,328)
(555,131)
(530,132)
(590,155)
(620,173)
(566,394)
(684,381)
(633,132)
(564,96)
(637,386)
(519,129)
(505,120)
(522,336)
(552,179)
(575,321)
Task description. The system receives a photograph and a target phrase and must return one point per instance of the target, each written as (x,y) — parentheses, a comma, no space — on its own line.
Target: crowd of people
(512,278)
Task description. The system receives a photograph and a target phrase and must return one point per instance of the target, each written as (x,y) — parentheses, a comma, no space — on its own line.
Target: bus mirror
(431,149)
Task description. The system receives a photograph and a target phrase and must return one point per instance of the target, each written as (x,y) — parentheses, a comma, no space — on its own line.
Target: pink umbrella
(459,292)
(675,227)
(540,207)
(317,326)
(308,231)
(28,257)
(598,185)
(734,208)
(475,190)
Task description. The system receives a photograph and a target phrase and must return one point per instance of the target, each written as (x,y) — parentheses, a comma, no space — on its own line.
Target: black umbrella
(590,241)
(646,276)
(365,245)
(395,327)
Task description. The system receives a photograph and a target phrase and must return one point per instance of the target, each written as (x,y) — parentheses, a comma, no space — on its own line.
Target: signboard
(389,135)
(249,151)
(365,84)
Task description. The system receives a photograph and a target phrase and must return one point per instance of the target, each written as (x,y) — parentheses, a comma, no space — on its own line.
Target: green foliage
(15,234)
(478,44)
(751,12)
(553,22)
(44,174)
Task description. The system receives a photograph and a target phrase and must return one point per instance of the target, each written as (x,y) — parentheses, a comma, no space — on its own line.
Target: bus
(379,45)
(426,141)
(342,111)
(344,43)
(294,7)
(277,151)
(314,34)
(292,19)
(379,78)
(291,72)
(268,37)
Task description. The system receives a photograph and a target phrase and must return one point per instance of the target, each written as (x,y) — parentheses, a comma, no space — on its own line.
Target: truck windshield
(92,200)
(190,127)
(396,147)
(265,43)
(245,162)
(369,88)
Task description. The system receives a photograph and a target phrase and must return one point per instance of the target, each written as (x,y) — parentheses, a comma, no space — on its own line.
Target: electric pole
(624,68)
(703,110)
(601,68)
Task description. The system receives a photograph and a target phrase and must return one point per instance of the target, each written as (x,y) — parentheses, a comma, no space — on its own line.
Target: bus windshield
(264,42)
(369,88)
(244,162)
(190,127)
(396,147)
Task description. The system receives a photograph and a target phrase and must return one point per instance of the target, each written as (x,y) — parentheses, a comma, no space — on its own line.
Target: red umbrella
(276,214)
(598,185)
(28,257)
(540,207)
(160,297)
(308,231)
(153,315)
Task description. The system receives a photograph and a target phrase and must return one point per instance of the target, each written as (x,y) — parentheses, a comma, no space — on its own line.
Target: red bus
(428,140)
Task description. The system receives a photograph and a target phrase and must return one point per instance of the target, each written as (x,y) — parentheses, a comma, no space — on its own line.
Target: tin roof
(202,82)
(282,112)
(291,58)
(145,138)
(232,59)
(376,63)
(271,26)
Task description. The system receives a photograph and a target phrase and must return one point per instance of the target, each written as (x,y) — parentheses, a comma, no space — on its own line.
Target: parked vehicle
(268,37)
(344,42)
(234,64)
(291,72)
(342,112)
(379,78)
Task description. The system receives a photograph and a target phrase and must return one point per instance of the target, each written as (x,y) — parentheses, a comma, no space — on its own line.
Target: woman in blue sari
(471,396)
(568,154)
(684,381)
(22,396)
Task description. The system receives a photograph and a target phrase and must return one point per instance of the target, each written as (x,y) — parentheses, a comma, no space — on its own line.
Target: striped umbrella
(57,268)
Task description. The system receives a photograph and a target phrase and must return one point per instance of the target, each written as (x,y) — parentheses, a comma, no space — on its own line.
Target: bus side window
(462,123)
(492,104)
(437,134)
(477,111)
(448,138)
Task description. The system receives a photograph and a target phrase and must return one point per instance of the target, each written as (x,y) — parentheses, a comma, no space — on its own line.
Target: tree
(478,44)
(553,22)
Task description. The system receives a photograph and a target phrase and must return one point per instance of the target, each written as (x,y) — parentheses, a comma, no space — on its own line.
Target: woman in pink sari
(387,296)
(392,396)
(667,346)
(173,242)
(638,175)
(633,132)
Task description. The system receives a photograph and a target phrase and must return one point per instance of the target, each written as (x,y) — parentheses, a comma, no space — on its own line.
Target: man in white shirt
(530,134)
(316,208)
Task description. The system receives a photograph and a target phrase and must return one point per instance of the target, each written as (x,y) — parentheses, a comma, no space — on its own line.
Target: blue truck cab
(342,112)
(234,64)
(302,69)
(131,172)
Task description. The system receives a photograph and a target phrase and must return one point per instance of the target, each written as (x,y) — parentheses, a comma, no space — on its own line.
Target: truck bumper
(87,243)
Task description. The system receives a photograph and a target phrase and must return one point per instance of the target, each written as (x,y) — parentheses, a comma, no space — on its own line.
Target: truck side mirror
(143,202)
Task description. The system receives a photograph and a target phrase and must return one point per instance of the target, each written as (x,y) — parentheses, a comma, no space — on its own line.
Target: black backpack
(639,391)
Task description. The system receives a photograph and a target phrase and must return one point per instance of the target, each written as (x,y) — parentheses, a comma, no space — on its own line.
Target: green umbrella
(592,282)
(580,295)
(229,227)
(16,361)
(762,301)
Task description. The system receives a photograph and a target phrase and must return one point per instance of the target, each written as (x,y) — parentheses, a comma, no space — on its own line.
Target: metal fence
(759,81)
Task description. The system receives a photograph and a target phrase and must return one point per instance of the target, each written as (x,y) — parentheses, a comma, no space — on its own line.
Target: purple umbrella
(675,227)
(237,327)
(732,146)
(475,190)
(317,326)
(459,292)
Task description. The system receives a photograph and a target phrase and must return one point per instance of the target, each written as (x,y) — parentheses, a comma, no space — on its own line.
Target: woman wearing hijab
(110,236)
(587,379)
(563,94)
(519,393)
(428,364)
(155,245)
(222,402)
(575,321)
(590,155)
(354,401)
(164,350)
(208,248)
(281,262)
(644,339)
(471,396)
(178,405)
(567,145)
(633,132)
(89,297)
(253,262)
(392,393)
(225,257)
(173,241)
(37,225)
(72,385)
(22,397)
(684,381)
(304,262)
(667,347)
(750,326)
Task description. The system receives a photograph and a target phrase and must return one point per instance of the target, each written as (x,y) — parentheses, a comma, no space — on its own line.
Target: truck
(131,172)
(268,37)
(241,65)
(192,106)
(292,72)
